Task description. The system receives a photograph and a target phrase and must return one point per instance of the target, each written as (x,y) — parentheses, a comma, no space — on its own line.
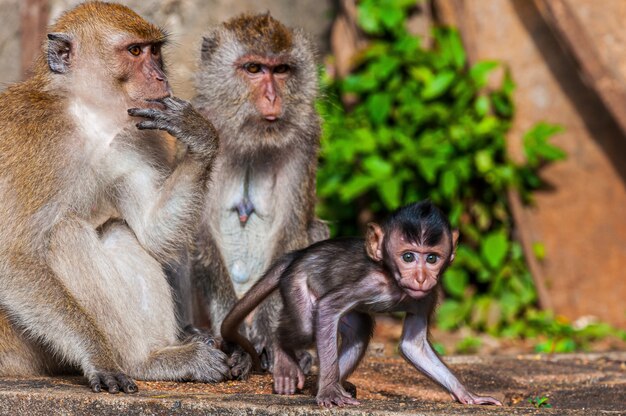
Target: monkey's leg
(179,277)
(56,317)
(211,277)
(192,361)
(154,350)
(356,330)
(19,356)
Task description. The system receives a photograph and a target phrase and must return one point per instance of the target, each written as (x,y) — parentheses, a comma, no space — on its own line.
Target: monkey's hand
(113,381)
(181,120)
(467,397)
(334,395)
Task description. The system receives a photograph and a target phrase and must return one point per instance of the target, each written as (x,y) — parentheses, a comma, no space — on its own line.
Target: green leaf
(378,167)
(357,186)
(481,106)
(483,161)
(449,183)
(494,248)
(479,73)
(438,85)
(455,282)
(378,106)
(390,192)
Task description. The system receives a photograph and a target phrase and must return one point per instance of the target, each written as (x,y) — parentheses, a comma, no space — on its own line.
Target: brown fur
(91,208)
(261,33)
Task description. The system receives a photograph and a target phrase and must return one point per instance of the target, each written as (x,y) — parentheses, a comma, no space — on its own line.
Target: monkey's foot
(209,365)
(112,381)
(334,395)
(240,364)
(287,374)
(305,361)
(349,388)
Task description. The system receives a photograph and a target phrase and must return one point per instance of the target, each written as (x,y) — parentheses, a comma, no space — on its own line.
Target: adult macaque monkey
(330,289)
(257,83)
(90,208)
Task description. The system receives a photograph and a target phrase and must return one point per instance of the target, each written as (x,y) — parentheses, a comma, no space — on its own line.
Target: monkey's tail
(253,297)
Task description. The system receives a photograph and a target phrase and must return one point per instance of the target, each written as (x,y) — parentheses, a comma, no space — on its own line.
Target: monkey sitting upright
(91,207)
(257,83)
(330,288)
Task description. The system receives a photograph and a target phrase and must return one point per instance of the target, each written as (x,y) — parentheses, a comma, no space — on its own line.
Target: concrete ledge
(580,384)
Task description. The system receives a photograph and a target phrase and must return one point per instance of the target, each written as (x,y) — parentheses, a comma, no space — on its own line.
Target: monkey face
(266,78)
(417,266)
(141,72)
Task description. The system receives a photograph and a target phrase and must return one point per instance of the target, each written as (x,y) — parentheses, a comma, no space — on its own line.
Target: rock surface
(579,384)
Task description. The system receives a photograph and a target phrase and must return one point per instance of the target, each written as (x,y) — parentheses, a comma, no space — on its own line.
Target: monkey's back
(322,261)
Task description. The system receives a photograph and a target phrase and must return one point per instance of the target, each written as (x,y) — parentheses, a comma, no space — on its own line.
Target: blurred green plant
(540,402)
(422,124)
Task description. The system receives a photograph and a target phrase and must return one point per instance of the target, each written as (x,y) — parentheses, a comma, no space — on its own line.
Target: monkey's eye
(431,258)
(155,49)
(252,68)
(281,69)
(408,257)
(135,50)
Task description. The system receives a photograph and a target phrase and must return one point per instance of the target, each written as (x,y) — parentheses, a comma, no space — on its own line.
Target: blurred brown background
(568,59)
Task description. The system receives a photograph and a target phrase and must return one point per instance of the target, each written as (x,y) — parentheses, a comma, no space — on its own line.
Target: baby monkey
(331,288)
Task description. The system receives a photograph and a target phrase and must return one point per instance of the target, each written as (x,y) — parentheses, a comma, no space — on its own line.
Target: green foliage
(422,124)
(468,345)
(540,402)
(560,336)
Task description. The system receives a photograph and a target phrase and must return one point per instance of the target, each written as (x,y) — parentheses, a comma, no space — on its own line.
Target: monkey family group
(138,231)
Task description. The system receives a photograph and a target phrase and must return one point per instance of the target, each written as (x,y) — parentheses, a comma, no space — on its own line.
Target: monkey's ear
(209,45)
(374,241)
(455,242)
(59,50)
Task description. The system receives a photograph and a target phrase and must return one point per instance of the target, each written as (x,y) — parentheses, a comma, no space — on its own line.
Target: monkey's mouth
(415,293)
(271,119)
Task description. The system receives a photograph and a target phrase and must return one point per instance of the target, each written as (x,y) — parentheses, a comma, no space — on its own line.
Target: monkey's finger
(300,380)
(291,385)
(174,103)
(127,384)
(486,400)
(144,112)
(94,384)
(111,383)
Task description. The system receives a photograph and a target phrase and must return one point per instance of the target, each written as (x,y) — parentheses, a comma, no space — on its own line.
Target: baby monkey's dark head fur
(415,244)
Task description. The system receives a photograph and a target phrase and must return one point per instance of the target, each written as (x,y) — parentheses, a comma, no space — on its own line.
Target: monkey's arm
(415,348)
(211,275)
(160,214)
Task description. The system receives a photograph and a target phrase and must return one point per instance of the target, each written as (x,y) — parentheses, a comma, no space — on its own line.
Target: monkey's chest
(247,230)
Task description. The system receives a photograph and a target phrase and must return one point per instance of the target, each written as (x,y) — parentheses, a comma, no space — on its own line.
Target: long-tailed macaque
(91,207)
(257,83)
(330,289)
